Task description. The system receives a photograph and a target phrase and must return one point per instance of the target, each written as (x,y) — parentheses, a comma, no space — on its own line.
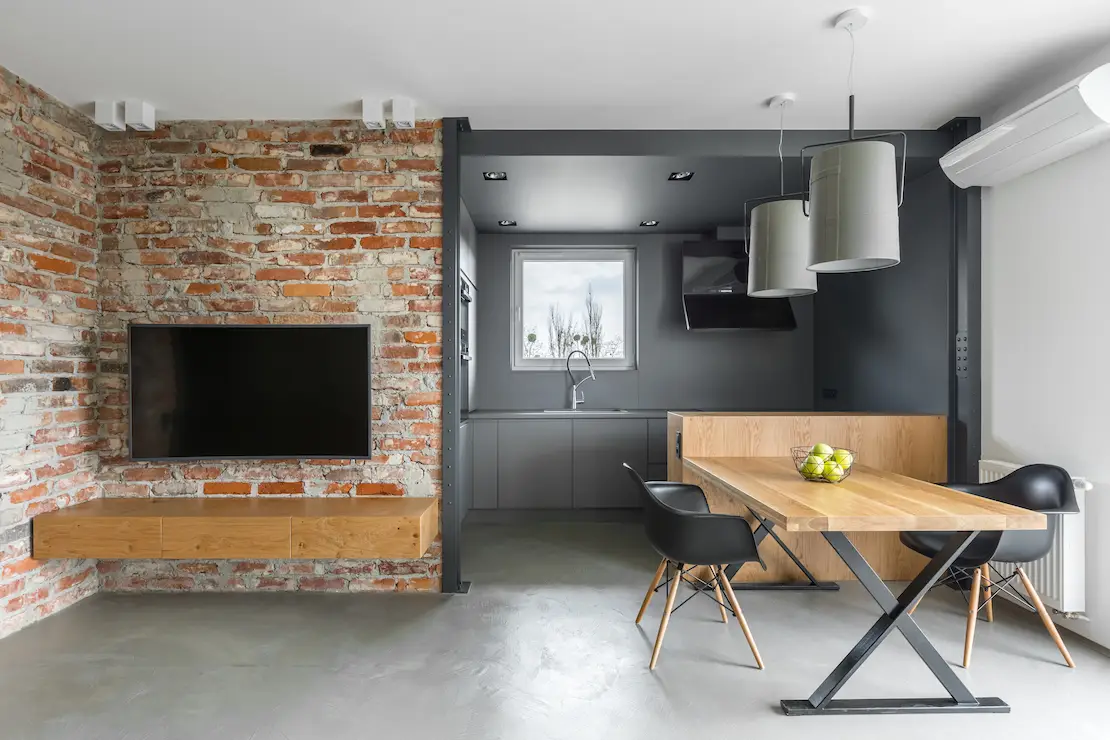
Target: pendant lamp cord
(852,85)
(782,167)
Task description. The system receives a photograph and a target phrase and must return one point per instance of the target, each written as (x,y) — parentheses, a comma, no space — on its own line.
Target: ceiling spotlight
(649,223)
(495,175)
(681,176)
(506,222)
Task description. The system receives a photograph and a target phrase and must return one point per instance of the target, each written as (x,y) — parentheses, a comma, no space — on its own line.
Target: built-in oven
(466,304)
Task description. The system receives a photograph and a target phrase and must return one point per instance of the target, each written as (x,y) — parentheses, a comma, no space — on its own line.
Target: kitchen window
(574,298)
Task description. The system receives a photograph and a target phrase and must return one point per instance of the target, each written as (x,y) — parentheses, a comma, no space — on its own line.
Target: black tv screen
(249,392)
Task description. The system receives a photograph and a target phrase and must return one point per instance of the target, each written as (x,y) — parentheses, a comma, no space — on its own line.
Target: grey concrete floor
(543,647)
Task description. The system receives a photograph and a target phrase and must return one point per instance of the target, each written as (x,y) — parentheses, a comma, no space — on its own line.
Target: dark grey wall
(677,369)
(882,337)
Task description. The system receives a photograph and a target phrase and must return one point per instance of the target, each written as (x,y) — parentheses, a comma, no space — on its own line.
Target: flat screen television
(224,392)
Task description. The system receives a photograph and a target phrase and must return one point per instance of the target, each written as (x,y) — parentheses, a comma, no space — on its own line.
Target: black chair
(683,531)
(1044,488)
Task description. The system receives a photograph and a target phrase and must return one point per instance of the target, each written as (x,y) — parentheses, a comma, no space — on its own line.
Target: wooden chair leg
(717,574)
(671,593)
(651,589)
(989,605)
(743,622)
(972,614)
(1045,617)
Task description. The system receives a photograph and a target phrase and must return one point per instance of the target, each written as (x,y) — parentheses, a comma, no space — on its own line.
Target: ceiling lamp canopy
(855,190)
(778,238)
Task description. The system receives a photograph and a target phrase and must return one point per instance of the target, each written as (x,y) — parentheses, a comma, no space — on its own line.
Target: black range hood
(715,291)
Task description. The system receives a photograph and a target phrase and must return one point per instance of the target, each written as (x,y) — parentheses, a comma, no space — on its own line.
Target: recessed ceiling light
(496,175)
(506,222)
(649,223)
(681,176)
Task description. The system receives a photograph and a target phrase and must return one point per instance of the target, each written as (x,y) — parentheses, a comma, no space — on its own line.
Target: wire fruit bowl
(823,463)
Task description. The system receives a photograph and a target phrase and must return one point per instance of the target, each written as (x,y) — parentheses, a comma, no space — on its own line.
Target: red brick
(77,222)
(379,489)
(344,196)
(26,204)
(404,227)
(305,289)
(203,288)
(421,337)
(235,305)
(277,180)
(362,165)
(380,211)
(395,196)
(344,242)
(11,367)
(7,327)
(27,494)
(409,289)
(49,162)
(115,212)
(279,273)
(258,163)
(201,472)
(51,264)
(323,305)
(329,212)
(426,242)
(413,165)
(382,242)
(137,474)
(204,163)
(221,488)
(423,399)
(291,196)
(354,227)
(399,351)
(280,488)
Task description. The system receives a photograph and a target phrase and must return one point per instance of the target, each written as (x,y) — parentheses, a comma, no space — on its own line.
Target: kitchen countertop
(585,413)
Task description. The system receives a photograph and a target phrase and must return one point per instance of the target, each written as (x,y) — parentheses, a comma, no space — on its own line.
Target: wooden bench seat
(238,528)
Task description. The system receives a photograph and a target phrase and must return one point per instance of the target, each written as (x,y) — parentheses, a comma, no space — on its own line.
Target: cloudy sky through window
(565,284)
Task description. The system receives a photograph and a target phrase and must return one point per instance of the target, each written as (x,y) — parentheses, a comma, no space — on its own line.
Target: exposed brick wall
(48,319)
(264,222)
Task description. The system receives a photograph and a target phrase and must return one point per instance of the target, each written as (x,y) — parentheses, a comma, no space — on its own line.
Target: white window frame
(623,254)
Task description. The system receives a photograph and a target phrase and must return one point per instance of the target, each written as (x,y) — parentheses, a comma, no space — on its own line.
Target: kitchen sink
(585,411)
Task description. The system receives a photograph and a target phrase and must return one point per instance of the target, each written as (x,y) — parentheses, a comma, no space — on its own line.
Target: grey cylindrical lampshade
(778,252)
(854,208)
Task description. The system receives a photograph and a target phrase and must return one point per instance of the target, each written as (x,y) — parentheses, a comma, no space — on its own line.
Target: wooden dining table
(870,500)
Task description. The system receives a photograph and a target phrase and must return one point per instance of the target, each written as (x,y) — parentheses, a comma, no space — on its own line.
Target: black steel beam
(965,388)
(451,515)
(922,144)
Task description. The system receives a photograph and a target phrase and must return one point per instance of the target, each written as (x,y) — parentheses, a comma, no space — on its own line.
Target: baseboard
(526,516)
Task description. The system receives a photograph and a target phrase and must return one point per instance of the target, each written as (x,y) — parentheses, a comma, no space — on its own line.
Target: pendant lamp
(778,236)
(855,191)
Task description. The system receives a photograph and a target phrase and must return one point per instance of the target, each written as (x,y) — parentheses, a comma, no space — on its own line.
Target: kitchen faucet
(574,397)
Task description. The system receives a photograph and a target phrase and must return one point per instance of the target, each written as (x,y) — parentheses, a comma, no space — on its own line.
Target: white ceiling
(675,64)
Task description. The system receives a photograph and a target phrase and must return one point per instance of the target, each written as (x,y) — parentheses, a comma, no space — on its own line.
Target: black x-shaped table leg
(896,616)
(760,533)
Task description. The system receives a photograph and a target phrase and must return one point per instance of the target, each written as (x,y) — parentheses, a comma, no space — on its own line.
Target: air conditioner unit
(1066,121)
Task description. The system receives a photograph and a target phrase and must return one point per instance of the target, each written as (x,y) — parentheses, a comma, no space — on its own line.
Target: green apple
(812,467)
(832,472)
(844,457)
(821,450)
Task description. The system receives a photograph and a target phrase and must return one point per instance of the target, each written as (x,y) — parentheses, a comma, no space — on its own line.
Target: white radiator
(1060,576)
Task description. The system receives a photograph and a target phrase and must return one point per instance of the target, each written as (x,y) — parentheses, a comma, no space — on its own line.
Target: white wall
(1046,324)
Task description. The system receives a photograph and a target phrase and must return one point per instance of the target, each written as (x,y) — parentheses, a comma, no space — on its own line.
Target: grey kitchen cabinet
(483,441)
(657,442)
(534,463)
(600,448)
